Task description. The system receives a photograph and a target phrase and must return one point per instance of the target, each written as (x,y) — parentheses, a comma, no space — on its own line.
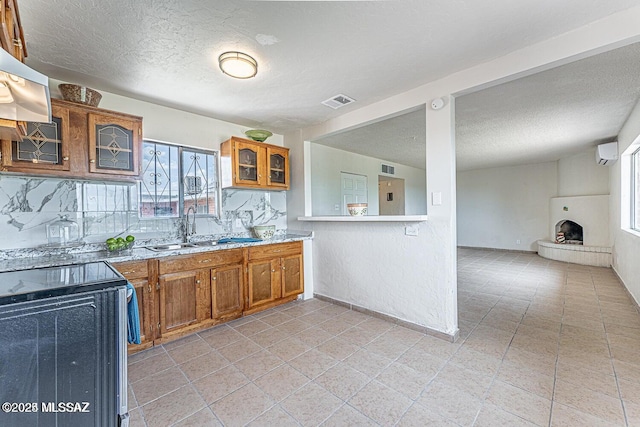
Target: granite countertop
(137,253)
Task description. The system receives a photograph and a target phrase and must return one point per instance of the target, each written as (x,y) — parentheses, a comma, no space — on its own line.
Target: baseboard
(409,325)
(624,285)
(518,251)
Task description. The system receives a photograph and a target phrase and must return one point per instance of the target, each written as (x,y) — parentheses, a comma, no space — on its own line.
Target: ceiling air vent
(388,169)
(338,101)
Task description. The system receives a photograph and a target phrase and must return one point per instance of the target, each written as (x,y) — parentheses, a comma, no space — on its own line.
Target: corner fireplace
(583,222)
(569,232)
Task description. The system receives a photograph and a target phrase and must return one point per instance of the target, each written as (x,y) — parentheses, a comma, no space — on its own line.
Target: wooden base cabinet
(274,275)
(226,292)
(182,300)
(179,295)
(143,276)
(198,291)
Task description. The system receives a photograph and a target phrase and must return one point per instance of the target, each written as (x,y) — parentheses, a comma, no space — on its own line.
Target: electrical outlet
(411,230)
(336,207)
(518,242)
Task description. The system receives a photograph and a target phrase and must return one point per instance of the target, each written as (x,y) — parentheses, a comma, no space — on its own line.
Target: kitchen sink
(171,246)
(206,243)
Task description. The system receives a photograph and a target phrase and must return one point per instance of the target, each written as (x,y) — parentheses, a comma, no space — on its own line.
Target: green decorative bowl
(258,134)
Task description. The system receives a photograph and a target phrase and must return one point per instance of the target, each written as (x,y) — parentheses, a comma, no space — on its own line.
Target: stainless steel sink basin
(206,243)
(171,247)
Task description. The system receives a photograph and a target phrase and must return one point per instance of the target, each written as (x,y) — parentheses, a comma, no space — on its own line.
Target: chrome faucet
(189,227)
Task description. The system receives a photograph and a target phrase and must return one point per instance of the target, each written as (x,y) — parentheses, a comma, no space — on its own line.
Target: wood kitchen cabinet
(199,290)
(143,275)
(184,300)
(179,295)
(252,164)
(45,146)
(11,33)
(12,40)
(115,142)
(274,275)
(81,142)
(227,291)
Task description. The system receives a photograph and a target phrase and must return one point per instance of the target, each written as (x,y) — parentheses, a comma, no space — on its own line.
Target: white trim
(366,218)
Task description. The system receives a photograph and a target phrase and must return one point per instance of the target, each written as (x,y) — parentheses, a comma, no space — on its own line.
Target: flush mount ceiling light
(238,65)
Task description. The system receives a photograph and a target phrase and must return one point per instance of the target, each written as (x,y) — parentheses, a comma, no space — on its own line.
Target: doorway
(353,189)
(390,195)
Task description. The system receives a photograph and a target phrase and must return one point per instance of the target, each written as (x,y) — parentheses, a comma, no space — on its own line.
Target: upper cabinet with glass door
(114,144)
(250,164)
(278,167)
(45,146)
(80,142)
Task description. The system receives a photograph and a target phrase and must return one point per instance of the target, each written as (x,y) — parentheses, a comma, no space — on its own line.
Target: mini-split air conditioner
(607,154)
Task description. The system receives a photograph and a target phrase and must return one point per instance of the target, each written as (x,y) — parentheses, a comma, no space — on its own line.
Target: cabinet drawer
(132,269)
(200,260)
(277,250)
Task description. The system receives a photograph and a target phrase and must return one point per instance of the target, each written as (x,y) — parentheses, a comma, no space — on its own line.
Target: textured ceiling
(539,118)
(548,115)
(400,139)
(166,51)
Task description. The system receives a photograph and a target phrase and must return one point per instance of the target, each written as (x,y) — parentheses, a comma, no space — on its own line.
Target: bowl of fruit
(118,245)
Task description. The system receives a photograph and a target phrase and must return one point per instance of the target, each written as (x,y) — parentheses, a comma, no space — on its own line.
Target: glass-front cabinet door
(114,145)
(249,167)
(44,146)
(278,167)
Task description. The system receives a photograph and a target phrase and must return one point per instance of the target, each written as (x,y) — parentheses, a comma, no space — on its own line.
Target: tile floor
(542,343)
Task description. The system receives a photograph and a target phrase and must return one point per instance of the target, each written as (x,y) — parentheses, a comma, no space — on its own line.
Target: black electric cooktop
(38,283)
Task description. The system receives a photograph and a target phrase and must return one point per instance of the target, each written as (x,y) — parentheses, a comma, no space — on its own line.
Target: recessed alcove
(572,232)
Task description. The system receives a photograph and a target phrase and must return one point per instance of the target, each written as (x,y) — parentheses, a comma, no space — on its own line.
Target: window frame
(218,190)
(181,183)
(634,214)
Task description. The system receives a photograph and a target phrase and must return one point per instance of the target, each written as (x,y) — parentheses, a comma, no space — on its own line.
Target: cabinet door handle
(197,282)
(283,267)
(149,288)
(273,271)
(204,260)
(124,273)
(92,161)
(214,277)
(65,159)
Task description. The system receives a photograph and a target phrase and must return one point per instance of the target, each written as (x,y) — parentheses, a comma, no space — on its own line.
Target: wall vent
(338,101)
(388,169)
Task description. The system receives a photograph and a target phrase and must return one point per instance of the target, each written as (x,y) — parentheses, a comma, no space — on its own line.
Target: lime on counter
(130,238)
(111,241)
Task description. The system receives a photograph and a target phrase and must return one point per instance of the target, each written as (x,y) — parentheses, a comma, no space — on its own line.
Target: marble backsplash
(104,209)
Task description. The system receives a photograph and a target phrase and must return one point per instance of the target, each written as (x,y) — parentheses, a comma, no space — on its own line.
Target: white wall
(326,165)
(430,276)
(171,125)
(499,206)
(580,175)
(626,246)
